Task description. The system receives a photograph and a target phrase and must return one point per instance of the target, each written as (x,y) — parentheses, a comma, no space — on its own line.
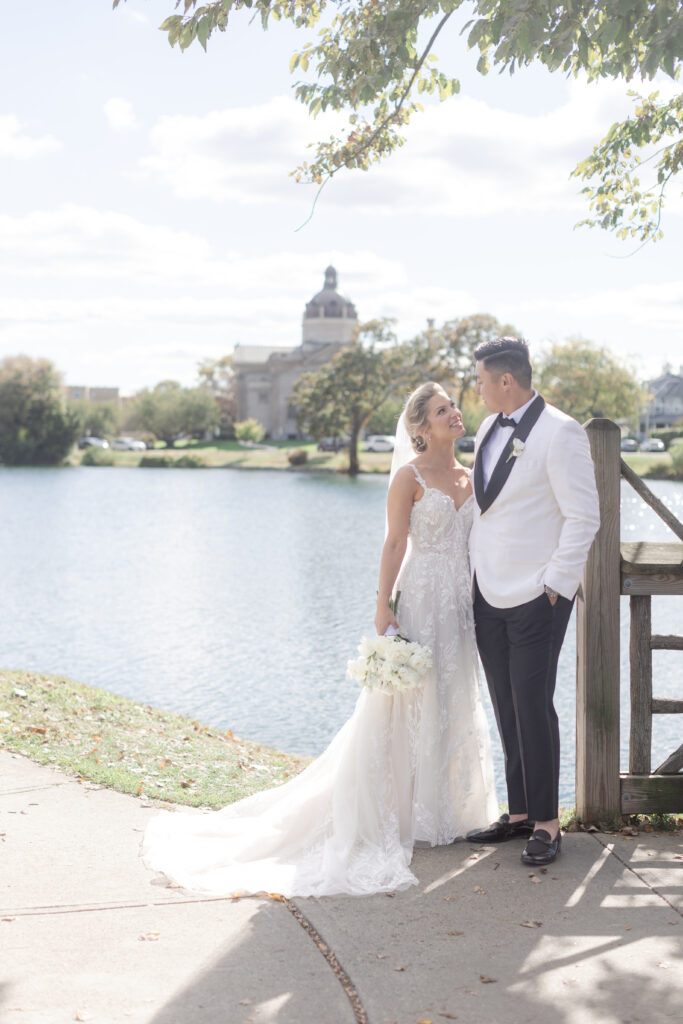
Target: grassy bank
(130,747)
(229,454)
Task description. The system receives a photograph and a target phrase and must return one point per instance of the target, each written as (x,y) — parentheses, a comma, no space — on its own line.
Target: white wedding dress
(404,768)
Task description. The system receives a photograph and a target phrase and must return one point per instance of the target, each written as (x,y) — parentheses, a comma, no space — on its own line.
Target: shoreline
(133,748)
(648,466)
(161,756)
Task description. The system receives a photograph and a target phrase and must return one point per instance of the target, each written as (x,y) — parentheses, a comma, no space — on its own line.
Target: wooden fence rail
(638,570)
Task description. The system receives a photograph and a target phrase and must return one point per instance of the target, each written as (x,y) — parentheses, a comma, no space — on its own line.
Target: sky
(148,219)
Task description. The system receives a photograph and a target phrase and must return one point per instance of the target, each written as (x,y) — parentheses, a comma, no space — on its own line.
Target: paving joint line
(640,878)
(343,978)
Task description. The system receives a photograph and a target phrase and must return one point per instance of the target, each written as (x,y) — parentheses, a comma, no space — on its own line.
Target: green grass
(650,464)
(130,747)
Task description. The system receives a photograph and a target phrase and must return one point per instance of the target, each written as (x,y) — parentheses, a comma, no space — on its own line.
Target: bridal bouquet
(390,663)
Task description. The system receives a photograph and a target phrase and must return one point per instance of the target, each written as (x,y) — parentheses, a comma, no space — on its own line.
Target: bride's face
(444,421)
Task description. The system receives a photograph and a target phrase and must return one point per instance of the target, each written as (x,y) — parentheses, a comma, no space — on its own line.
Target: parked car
(652,444)
(465,444)
(128,444)
(380,443)
(331,444)
(628,444)
(93,442)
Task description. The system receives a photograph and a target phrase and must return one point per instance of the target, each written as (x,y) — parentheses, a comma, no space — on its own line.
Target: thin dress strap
(418,474)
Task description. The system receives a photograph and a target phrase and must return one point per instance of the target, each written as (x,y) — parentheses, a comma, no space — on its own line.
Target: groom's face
(490,388)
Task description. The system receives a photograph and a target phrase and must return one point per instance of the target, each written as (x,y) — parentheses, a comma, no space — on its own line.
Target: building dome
(328,302)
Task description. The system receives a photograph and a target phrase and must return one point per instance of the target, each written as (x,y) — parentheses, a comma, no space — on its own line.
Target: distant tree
(385,418)
(249,430)
(342,396)
(219,379)
(585,380)
(95,418)
(36,428)
(169,410)
(448,351)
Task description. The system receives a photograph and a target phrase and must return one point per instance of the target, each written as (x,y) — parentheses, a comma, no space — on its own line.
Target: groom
(537,515)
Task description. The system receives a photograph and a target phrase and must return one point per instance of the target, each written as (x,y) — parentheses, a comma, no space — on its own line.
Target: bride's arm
(400,500)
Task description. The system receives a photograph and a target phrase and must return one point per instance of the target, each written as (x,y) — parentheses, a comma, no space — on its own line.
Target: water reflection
(233,597)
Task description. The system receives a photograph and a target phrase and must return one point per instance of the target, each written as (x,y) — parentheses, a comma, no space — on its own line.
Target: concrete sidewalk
(87,933)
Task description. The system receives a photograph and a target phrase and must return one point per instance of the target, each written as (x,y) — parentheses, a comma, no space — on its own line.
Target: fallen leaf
(245,1002)
(544,871)
(485,980)
(534,879)
(627,928)
(381,956)
(389,893)
(38,728)
(531,924)
(425,1020)
(82,1015)
(276,896)
(456,933)
(150,937)
(449,1016)
(399,969)
(479,890)
(9,919)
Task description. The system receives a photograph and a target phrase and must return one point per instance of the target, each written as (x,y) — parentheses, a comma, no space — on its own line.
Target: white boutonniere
(517,449)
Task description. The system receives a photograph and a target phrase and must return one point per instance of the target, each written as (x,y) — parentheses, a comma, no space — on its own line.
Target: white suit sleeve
(572,478)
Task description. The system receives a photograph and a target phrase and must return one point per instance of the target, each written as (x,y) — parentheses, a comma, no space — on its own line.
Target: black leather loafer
(541,849)
(501,831)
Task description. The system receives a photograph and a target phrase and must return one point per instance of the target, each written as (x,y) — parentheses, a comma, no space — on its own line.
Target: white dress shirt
(500,437)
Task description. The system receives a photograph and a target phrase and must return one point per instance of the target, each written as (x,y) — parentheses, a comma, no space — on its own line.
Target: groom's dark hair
(506,355)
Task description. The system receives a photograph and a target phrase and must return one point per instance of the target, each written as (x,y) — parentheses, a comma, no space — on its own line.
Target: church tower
(329,317)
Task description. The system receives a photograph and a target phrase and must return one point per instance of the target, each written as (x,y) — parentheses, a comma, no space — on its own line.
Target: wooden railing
(638,570)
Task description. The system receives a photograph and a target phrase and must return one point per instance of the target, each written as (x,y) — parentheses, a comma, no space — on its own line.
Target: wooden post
(597,642)
(640,745)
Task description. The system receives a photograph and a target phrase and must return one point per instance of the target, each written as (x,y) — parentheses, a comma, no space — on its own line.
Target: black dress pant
(519,649)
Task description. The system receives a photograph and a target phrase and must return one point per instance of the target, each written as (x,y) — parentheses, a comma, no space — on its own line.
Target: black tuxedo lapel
(479,488)
(503,467)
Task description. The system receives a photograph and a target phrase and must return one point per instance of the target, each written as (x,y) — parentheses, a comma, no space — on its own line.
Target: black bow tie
(505,421)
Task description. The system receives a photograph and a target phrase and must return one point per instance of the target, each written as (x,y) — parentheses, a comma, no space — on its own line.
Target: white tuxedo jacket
(539,527)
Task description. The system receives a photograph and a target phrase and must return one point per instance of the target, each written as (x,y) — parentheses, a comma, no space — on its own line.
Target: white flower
(517,448)
(390,664)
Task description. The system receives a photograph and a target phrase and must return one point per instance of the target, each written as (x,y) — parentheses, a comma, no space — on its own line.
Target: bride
(405,767)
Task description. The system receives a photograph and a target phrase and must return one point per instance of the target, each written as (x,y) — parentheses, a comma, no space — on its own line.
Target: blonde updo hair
(416,412)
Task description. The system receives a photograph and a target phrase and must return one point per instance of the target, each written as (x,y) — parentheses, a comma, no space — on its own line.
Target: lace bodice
(436,525)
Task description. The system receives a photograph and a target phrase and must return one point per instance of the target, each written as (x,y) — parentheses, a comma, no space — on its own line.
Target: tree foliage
(585,380)
(374,58)
(36,429)
(449,350)
(169,410)
(621,201)
(95,418)
(249,430)
(218,377)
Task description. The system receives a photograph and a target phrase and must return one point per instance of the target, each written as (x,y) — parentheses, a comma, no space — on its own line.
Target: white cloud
(243,154)
(14,143)
(112,299)
(463,158)
(84,242)
(120,113)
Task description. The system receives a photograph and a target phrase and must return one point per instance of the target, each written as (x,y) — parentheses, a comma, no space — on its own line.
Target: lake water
(236,597)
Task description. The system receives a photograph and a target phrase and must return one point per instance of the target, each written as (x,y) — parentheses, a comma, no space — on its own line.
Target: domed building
(266,376)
